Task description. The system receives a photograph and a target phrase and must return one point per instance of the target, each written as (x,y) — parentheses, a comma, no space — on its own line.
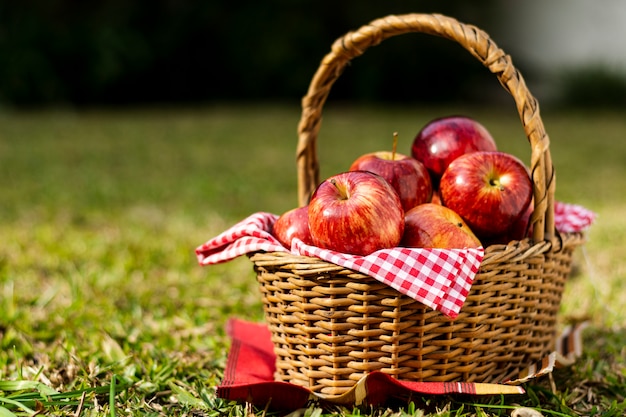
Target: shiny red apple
(519,230)
(355,212)
(489,190)
(407,175)
(293,223)
(434,226)
(443,140)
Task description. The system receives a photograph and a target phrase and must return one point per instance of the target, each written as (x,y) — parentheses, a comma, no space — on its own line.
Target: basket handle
(474,40)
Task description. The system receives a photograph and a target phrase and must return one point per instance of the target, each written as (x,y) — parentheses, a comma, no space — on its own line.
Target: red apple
(408,176)
(356,212)
(434,226)
(489,190)
(444,139)
(293,223)
(518,231)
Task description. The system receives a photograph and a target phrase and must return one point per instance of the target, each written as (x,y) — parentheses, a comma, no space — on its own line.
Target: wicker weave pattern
(330,325)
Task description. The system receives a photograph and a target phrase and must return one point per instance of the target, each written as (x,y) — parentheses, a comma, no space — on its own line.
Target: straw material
(331,325)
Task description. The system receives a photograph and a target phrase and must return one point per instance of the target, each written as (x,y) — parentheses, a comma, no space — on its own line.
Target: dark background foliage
(129,52)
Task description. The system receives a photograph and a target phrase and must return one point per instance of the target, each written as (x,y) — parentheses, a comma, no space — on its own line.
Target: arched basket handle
(479,44)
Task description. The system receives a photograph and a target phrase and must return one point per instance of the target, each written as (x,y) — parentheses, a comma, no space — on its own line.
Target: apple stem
(395,146)
(341,192)
(496,183)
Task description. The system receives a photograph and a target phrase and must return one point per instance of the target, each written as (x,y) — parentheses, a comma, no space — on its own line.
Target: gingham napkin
(438,278)
(571,218)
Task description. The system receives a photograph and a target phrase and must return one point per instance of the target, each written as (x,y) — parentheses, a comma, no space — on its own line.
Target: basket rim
(514,251)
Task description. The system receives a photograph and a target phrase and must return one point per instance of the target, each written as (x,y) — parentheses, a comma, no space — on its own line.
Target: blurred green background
(62,52)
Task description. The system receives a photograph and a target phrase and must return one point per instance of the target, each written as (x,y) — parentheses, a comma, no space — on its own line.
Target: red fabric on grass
(249,377)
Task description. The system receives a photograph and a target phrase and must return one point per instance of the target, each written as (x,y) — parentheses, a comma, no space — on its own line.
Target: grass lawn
(104,310)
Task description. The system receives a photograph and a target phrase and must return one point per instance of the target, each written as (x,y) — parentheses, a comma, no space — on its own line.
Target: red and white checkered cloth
(571,218)
(438,278)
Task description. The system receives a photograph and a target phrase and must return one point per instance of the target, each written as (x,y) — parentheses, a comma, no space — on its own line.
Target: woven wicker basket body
(331,325)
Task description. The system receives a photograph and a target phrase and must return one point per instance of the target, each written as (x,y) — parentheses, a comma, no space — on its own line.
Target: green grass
(104,311)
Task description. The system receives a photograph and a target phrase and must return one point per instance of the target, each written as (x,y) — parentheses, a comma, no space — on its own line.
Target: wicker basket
(330,325)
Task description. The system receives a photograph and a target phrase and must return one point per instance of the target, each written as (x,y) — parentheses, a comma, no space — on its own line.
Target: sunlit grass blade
(24,397)
(6,413)
(17,404)
(27,385)
(112,395)
(185,397)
